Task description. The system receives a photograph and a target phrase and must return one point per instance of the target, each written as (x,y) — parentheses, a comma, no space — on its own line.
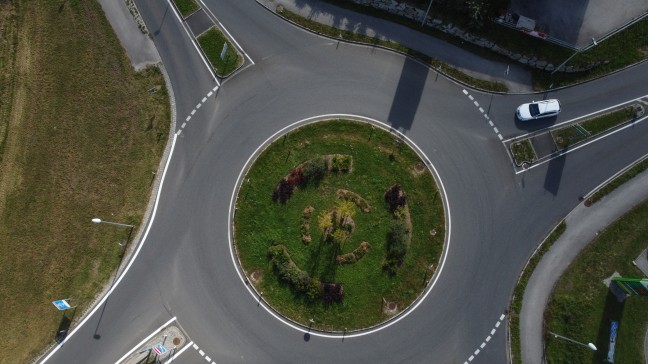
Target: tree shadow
(315,255)
(408,94)
(330,268)
(613,311)
(554,174)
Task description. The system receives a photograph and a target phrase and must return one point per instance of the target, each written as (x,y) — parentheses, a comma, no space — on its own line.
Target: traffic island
(160,348)
(333,225)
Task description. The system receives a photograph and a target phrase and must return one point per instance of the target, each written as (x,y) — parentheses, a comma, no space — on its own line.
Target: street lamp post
(588,345)
(426,13)
(97,220)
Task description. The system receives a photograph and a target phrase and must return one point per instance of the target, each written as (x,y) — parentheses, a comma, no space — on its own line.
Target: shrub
(397,244)
(287,269)
(314,170)
(395,197)
(355,198)
(333,292)
(287,185)
(340,163)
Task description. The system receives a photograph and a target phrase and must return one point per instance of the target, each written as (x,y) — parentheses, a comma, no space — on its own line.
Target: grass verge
(518,293)
(212,42)
(582,308)
(378,161)
(587,129)
(84,137)
(360,38)
(186,7)
(523,152)
(621,179)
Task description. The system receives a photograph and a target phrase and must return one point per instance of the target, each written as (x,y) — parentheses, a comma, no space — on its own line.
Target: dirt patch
(390,308)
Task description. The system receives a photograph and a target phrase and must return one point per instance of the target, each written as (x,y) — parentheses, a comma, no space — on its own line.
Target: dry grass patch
(84,137)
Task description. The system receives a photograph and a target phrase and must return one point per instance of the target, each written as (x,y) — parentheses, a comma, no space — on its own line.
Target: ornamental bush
(397,242)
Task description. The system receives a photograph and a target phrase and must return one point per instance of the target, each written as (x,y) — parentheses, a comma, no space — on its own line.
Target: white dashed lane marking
(483,112)
(202,353)
(488,338)
(198,106)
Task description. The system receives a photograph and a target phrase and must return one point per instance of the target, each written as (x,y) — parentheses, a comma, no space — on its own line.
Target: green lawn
(186,7)
(379,160)
(581,307)
(82,140)
(212,43)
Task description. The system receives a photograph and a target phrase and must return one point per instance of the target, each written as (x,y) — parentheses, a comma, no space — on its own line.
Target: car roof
(551,105)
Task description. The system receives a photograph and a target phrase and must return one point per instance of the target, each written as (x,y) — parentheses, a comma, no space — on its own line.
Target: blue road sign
(62,305)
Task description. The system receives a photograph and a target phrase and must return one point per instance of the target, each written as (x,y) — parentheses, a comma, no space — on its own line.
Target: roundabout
(188,267)
(339,225)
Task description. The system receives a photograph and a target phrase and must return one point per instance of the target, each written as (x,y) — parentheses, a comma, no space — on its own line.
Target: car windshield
(534,109)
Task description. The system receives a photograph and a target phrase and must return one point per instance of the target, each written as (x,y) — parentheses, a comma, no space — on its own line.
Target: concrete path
(138,46)
(518,79)
(583,224)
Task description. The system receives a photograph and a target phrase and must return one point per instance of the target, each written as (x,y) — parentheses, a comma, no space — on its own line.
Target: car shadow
(531,126)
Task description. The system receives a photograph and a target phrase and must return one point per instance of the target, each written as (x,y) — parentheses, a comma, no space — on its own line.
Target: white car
(538,109)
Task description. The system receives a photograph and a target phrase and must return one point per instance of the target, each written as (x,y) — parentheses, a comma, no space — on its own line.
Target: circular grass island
(339,222)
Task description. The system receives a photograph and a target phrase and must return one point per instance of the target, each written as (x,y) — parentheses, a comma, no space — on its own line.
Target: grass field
(81,138)
(581,307)
(379,161)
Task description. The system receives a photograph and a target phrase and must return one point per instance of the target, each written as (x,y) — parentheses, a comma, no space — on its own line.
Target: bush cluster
(289,272)
(287,185)
(333,292)
(310,171)
(340,163)
(397,244)
(353,256)
(314,170)
(399,235)
(395,197)
(355,198)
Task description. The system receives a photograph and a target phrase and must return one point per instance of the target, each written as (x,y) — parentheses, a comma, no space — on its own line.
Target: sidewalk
(583,224)
(518,78)
(138,46)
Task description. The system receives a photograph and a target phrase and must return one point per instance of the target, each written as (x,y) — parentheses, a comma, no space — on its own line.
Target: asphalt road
(184,268)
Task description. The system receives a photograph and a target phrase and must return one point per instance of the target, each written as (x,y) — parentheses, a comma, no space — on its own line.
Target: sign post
(62,305)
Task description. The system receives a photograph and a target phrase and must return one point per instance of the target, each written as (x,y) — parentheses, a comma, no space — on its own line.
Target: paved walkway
(138,46)
(583,224)
(518,78)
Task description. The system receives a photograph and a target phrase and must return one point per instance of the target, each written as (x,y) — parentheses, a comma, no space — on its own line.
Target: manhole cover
(176,341)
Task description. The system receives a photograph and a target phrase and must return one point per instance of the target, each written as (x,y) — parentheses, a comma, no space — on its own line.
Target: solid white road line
(191,38)
(139,345)
(176,355)
(387,128)
(130,263)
